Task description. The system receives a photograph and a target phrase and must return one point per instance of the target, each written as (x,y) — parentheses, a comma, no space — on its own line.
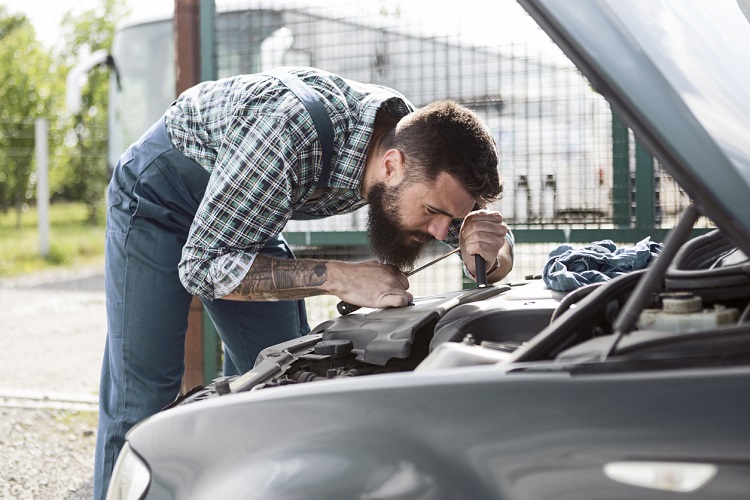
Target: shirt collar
(349,163)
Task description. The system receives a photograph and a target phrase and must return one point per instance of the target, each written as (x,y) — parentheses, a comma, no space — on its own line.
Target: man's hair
(447,137)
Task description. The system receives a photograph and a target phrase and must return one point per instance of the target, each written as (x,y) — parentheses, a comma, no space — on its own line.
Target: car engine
(706,287)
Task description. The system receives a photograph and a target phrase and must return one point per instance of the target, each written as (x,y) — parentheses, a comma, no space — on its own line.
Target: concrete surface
(52,332)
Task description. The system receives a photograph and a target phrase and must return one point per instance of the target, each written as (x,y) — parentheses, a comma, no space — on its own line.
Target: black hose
(573,297)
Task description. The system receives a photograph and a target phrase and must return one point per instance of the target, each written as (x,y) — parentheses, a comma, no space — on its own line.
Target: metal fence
(570,172)
(16,157)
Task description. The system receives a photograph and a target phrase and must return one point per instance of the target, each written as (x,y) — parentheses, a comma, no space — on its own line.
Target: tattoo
(270,278)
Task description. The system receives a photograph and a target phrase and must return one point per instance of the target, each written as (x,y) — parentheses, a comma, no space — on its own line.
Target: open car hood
(677,73)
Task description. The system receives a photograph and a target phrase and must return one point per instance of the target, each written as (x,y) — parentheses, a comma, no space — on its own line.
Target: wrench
(345,308)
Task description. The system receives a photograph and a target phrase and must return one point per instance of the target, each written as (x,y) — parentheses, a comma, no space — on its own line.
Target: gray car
(636,388)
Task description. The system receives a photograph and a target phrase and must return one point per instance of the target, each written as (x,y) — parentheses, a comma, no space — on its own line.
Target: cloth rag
(569,267)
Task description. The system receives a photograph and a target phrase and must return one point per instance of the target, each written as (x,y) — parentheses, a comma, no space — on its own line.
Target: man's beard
(390,241)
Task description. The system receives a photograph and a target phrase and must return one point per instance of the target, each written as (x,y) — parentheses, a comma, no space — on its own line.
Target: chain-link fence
(560,167)
(553,129)
(16,162)
(77,162)
(571,172)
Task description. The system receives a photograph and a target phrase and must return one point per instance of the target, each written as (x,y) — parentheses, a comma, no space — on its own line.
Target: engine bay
(697,313)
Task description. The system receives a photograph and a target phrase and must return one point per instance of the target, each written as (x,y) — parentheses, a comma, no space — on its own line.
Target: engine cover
(382,335)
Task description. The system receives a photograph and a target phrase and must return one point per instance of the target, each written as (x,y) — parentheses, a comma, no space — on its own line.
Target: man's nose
(438,227)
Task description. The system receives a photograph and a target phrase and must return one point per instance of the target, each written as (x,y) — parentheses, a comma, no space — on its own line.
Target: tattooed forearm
(282,279)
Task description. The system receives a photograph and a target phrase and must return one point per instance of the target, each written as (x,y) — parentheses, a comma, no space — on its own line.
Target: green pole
(620,173)
(208,39)
(644,188)
(212,352)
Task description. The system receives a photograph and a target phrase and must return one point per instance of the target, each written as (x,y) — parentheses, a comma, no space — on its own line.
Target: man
(197,205)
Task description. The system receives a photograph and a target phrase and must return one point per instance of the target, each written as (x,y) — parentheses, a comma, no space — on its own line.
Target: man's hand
(368,284)
(483,233)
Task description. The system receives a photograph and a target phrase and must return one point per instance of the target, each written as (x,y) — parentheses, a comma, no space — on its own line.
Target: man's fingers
(372,284)
(403,280)
(479,226)
(400,277)
(485,215)
(482,233)
(397,300)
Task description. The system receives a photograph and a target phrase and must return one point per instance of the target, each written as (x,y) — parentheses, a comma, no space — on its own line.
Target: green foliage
(32,85)
(27,91)
(80,172)
(74,240)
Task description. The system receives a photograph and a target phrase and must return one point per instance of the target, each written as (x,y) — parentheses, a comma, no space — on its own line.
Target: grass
(74,241)
(77,418)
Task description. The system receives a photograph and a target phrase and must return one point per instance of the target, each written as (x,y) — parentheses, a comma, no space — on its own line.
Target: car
(632,388)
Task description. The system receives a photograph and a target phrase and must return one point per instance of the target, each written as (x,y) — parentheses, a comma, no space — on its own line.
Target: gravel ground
(52,329)
(46,453)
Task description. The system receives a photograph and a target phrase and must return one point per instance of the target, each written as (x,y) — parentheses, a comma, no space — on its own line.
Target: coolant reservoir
(684,311)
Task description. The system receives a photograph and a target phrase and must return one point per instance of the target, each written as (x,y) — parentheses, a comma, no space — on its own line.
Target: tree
(27,91)
(81,171)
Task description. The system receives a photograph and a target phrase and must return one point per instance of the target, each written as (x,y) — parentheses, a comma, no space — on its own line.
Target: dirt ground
(52,331)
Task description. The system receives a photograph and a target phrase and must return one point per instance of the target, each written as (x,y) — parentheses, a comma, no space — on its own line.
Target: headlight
(130,478)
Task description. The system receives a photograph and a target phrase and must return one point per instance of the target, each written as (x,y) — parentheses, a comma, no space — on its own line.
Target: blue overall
(152,199)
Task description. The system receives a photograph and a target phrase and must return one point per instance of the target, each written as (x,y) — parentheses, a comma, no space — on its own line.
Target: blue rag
(569,268)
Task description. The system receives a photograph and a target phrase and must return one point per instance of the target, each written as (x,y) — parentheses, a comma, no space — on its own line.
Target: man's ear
(392,167)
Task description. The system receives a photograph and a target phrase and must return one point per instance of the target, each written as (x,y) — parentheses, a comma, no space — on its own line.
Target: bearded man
(197,206)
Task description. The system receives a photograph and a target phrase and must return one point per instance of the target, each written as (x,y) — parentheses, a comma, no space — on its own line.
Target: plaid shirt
(261,147)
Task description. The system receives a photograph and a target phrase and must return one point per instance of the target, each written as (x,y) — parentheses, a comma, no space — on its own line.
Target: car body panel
(464,433)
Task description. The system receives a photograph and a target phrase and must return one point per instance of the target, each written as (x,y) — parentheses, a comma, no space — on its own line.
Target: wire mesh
(561,167)
(553,129)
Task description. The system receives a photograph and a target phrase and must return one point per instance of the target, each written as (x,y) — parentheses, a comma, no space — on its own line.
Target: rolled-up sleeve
(248,200)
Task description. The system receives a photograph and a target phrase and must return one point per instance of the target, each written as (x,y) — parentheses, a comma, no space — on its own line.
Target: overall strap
(320,118)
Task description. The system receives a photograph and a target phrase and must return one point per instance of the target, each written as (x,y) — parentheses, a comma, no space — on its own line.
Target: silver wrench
(345,308)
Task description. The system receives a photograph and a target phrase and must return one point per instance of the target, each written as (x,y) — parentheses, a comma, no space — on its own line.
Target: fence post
(645,209)
(186,34)
(194,36)
(212,351)
(41,142)
(620,173)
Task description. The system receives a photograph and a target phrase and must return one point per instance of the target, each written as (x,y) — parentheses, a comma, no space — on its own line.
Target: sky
(46,15)
(497,17)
